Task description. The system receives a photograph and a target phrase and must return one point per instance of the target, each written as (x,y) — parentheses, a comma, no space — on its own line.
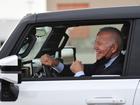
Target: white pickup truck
(47,33)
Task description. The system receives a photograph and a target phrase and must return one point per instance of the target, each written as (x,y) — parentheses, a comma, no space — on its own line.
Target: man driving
(109,61)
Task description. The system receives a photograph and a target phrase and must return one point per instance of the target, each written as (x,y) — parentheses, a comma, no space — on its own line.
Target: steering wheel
(49,71)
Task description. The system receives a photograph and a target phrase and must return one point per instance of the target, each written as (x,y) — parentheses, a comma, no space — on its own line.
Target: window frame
(132,65)
(101,22)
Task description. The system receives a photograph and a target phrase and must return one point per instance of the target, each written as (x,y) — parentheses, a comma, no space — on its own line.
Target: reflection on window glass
(42,31)
(22,50)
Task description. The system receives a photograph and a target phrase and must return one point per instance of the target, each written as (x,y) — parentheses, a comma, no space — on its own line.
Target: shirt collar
(110,61)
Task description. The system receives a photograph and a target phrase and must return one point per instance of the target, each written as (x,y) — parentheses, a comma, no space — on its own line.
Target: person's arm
(50,61)
(77,68)
(59,68)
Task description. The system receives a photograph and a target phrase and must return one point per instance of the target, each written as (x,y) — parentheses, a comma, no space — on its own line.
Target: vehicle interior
(66,43)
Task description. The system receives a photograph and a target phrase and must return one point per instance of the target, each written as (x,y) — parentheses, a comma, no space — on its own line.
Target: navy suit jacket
(98,68)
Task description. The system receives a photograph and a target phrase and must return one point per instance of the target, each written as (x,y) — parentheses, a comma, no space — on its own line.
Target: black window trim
(133,57)
(124,76)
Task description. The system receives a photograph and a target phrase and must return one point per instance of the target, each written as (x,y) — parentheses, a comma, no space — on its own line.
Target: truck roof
(85,14)
(91,14)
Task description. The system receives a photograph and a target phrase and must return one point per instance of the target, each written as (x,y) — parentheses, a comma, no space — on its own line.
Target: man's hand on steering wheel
(48,63)
(48,60)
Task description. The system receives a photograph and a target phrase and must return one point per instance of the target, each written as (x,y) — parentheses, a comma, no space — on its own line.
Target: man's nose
(95,46)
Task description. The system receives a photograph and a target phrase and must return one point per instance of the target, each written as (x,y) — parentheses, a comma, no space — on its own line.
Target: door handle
(105,101)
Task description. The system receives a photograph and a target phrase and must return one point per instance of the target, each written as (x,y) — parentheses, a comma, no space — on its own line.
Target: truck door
(137,95)
(96,91)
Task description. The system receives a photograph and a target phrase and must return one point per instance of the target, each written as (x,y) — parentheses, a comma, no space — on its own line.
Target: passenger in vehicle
(108,45)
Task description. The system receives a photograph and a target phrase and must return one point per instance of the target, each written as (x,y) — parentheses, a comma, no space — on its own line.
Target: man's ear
(114,48)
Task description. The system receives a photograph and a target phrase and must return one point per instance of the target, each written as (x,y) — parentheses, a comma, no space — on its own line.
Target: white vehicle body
(78,92)
(38,34)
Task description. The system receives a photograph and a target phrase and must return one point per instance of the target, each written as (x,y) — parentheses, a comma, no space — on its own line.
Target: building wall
(56,5)
(52,4)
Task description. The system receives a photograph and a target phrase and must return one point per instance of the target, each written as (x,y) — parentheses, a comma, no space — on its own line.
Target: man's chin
(99,57)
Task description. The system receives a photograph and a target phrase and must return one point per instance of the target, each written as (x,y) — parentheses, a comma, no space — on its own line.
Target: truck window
(82,38)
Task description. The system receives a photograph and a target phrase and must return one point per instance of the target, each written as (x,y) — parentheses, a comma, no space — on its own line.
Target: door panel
(76,92)
(137,96)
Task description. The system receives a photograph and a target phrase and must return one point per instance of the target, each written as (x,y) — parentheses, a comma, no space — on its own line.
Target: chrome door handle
(105,101)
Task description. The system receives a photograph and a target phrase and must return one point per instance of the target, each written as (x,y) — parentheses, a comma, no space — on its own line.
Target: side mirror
(68,54)
(9,61)
(9,76)
(10,68)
